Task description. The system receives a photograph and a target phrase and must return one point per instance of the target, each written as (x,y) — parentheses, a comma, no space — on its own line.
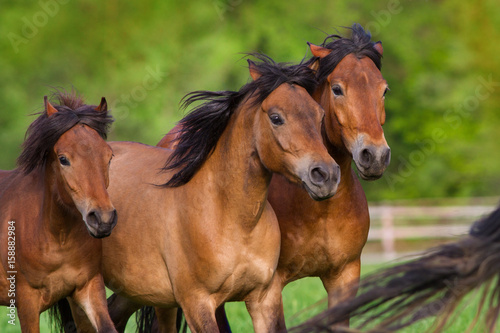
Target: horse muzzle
(321,180)
(372,160)
(101,223)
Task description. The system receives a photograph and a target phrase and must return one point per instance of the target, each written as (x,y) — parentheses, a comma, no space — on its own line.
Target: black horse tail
(431,285)
(148,323)
(146,320)
(181,323)
(61,317)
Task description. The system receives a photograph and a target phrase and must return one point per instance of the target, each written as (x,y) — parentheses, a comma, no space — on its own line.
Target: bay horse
(431,285)
(49,205)
(325,238)
(208,235)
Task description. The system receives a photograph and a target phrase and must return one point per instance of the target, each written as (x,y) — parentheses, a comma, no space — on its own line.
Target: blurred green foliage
(440,59)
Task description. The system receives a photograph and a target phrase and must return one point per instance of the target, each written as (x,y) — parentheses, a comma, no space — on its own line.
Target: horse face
(289,141)
(82,160)
(355,93)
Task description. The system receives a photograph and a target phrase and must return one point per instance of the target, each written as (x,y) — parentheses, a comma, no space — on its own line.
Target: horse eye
(337,91)
(276,119)
(64,161)
(386,91)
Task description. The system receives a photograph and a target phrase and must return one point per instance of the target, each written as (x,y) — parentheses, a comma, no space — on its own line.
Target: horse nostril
(318,175)
(93,218)
(386,156)
(366,157)
(114,217)
(336,174)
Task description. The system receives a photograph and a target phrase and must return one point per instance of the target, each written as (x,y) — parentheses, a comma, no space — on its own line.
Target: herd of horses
(253,189)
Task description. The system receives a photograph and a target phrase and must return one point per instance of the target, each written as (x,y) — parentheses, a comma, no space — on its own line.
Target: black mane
(44,132)
(203,126)
(359,44)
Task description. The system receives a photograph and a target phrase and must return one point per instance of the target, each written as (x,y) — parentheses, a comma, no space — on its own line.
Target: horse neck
(59,212)
(240,177)
(333,141)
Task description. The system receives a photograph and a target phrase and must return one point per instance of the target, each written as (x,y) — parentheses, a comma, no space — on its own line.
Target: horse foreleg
(28,309)
(342,285)
(80,323)
(120,309)
(265,308)
(91,298)
(29,319)
(167,320)
(200,314)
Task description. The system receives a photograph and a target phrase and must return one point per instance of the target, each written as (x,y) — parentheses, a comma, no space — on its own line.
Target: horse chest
(250,264)
(326,245)
(309,260)
(56,269)
(245,277)
(62,282)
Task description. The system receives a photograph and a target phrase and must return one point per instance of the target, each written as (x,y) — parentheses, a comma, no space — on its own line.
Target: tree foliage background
(441,59)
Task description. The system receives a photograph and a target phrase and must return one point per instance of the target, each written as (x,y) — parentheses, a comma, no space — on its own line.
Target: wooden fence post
(388,237)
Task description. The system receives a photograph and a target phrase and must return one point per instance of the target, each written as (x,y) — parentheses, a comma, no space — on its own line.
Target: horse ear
(103,107)
(254,73)
(314,65)
(378,47)
(319,51)
(49,109)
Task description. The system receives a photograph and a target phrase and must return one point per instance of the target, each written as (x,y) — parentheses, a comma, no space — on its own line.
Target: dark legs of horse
(342,285)
(169,320)
(166,320)
(120,310)
(222,322)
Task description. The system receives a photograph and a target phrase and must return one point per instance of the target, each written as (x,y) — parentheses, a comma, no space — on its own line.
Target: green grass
(302,300)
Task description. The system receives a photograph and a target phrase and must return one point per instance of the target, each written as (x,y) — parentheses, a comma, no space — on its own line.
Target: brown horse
(434,284)
(209,236)
(62,176)
(325,238)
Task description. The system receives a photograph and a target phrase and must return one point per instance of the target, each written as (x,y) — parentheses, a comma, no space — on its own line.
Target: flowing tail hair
(61,317)
(147,322)
(181,323)
(431,285)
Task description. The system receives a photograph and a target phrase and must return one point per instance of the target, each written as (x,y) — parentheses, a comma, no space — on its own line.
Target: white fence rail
(436,219)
